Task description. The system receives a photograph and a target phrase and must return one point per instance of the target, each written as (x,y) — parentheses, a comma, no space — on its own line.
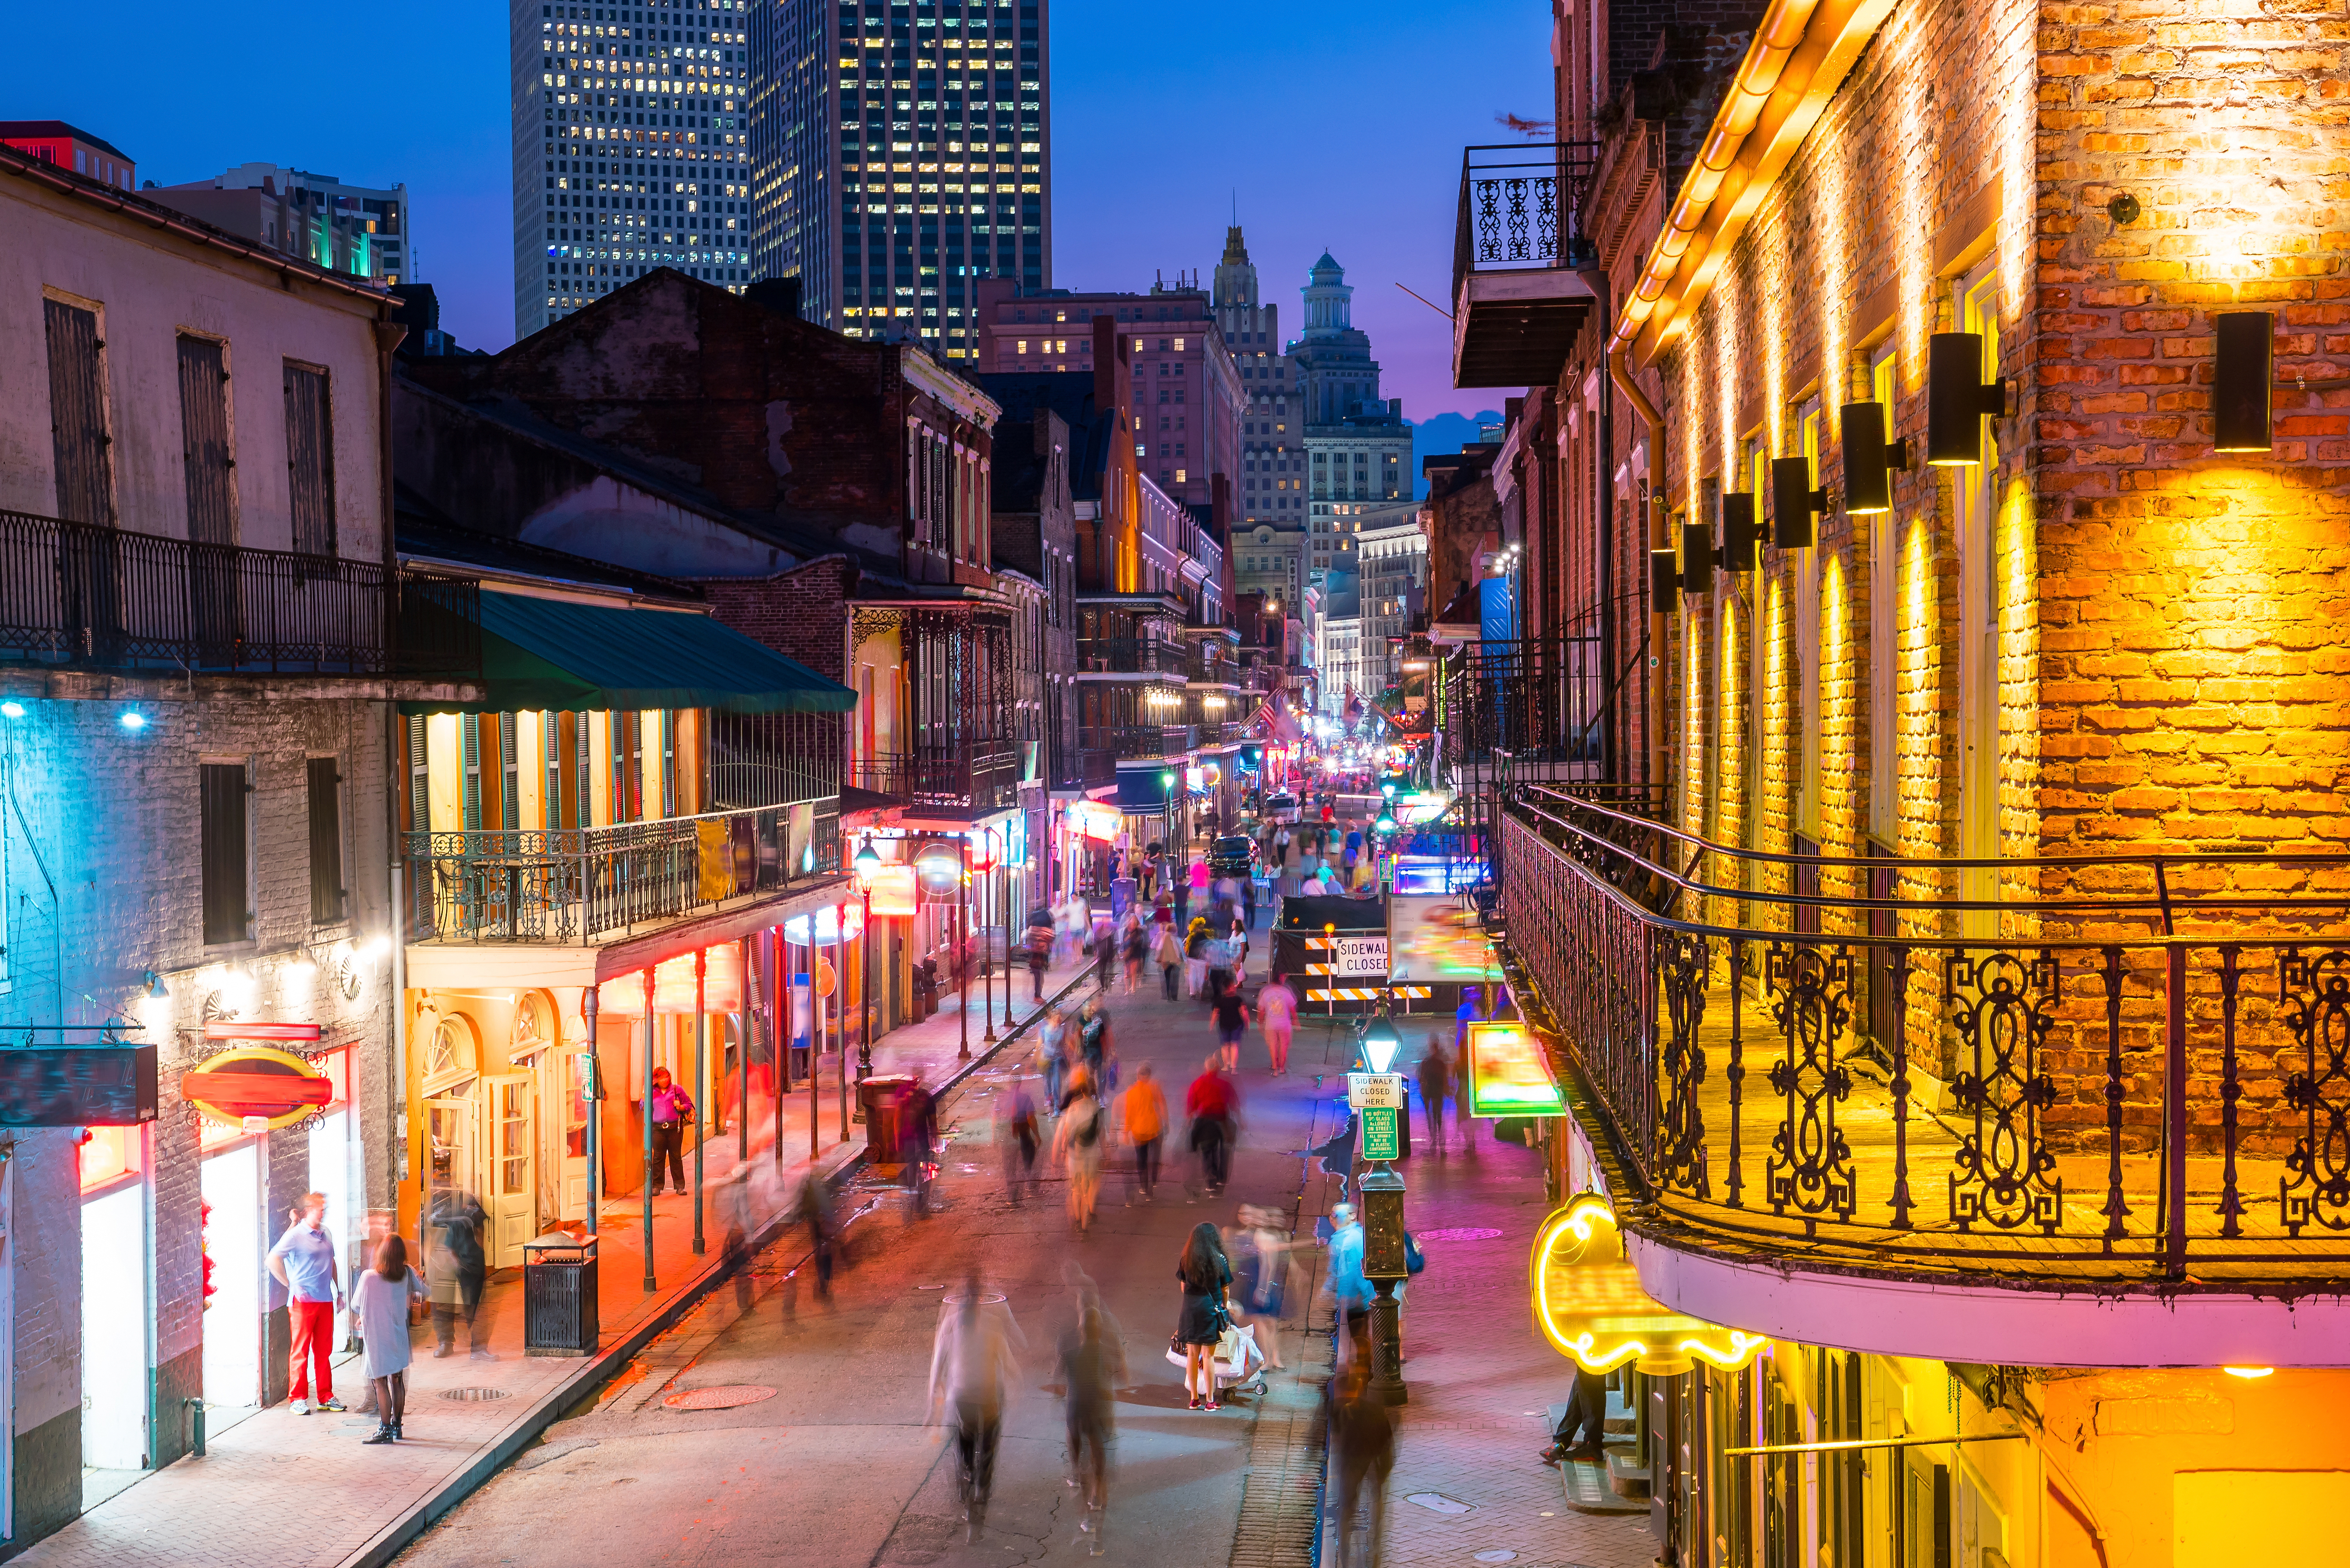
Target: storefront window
(110,1155)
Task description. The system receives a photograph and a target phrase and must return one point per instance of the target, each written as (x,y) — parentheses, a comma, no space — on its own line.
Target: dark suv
(1232,856)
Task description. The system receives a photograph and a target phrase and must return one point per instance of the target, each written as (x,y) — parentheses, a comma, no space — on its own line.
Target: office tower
(1272,486)
(630,149)
(899,154)
(1358,447)
(358,229)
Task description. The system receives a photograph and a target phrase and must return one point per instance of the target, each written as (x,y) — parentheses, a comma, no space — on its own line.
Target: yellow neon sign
(1590,1305)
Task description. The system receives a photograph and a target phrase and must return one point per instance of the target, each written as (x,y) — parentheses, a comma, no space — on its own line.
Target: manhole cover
(1459,1233)
(725,1396)
(1497,1557)
(473,1393)
(1437,1503)
(988,1299)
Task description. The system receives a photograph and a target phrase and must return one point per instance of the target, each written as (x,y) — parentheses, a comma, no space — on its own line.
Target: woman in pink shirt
(1276,1014)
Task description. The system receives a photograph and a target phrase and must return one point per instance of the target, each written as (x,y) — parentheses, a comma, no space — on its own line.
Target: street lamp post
(868,865)
(1384,1247)
(962,945)
(987,961)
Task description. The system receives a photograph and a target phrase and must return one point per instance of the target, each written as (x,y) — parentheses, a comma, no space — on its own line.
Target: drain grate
(474,1393)
(725,1396)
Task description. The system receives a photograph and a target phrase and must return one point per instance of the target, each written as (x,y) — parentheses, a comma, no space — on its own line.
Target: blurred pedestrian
(1195,955)
(1362,1448)
(1231,1013)
(813,1207)
(1040,950)
(303,1260)
(1276,1014)
(1093,1043)
(1105,951)
(1145,1106)
(1137,944)
(1076,1147)
(918,1143)
(1435,1089)
(1212,1103)
(734,1217)
(1171,958)
(456,1267)
(1205,1273)
(1052,1054)
(1259,1252)
(975,1368)
(1350,1290)
(383,1305)
(1018,1135)
(1093,1364)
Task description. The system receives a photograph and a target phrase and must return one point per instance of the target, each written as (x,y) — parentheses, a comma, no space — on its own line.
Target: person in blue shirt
(303,1261)
(1349,1290)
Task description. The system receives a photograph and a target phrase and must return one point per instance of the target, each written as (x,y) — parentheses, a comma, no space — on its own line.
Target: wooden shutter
(420,778)
(228,913)
(469,730)
(204,442)
(78,414)
(509,774)
(310,458)
(551,745)
(325,841)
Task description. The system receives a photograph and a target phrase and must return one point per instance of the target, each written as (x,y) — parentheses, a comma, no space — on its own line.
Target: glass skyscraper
(900,152)
(630,150)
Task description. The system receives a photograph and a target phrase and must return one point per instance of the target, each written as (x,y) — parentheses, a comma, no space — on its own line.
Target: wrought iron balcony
(1518,295)
(1133,656)
(577,885)
(1538,706)
(2128,1071)
(984,777)
(74,595)
(1132,742)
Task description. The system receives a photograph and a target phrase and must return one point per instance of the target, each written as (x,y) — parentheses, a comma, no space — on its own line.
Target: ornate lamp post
(1381,1191)
(868,865)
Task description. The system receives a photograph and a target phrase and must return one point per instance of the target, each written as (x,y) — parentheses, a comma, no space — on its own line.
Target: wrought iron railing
(1133,656)
(1130,742)
(2130,1068)
(1550,698)
(1521,206)
(78,594)
(983,777)
(568,885)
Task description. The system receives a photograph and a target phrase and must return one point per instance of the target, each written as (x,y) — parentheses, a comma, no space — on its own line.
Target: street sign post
(1359,957)
(1382,1090)
(1381,1139)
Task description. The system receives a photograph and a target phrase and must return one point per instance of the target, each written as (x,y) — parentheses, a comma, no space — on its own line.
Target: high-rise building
(900,154)
(1188,393)
(1358,447)
(1394,556)
(630,149)
(1271,486)
(355,229)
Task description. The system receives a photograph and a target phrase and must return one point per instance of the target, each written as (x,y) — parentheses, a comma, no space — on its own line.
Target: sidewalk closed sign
(1359,957)
(1381,1139)
(1383,1090)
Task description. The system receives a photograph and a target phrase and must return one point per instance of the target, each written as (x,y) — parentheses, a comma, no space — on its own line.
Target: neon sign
(1590,1304)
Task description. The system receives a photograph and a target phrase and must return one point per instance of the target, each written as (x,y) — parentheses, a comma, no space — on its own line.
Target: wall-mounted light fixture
(2244,375)
(1664,581)
(1792,502)
(1958,398)
(1869,460)
(1739,534)
(1697,559)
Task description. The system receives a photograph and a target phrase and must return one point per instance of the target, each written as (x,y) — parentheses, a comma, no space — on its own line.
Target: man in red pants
(306,1263)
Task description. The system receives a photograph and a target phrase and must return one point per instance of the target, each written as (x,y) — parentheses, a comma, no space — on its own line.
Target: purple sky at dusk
(1335,127)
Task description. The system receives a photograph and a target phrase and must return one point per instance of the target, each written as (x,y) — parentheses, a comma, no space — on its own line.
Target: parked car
(1233,856)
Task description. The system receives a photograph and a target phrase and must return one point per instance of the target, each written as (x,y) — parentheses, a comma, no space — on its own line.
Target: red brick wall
(803,613)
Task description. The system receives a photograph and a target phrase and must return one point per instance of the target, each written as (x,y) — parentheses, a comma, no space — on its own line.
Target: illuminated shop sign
(1508,1074)
(1591,1306)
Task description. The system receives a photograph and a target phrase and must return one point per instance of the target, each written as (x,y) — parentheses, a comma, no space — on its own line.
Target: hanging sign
(1590,1303)
(77,1085)
(893,892)
(1382,1090)
(1508,1074)
(1097,821)
(256,1088)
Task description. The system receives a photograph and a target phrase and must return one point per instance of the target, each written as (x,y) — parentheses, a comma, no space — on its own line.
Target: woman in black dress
(1205,1273)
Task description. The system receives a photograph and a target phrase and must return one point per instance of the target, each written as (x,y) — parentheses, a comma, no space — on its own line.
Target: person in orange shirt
(1145,1109)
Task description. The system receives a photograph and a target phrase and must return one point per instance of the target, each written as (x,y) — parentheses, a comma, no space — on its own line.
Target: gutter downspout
(388,337)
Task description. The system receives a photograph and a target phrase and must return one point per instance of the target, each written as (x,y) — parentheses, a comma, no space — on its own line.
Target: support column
(645,1184)
(701,1086)
(590,998)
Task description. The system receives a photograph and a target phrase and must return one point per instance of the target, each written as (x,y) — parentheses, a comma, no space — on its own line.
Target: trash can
(885,1097)
(558,1295)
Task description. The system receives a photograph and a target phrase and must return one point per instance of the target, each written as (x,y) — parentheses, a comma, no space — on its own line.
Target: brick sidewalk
(301,1491)
(1479,1374)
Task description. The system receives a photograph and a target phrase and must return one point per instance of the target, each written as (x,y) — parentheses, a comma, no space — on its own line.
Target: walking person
(457,1267)
(1195,955)
(1211,1102)
(1435,1089)
(1145,1108)
(1261,1277)
(1050,1052)
(1076,1147)
(1350,1290)
(303,1260)
(1276,1014)
(1040,949)
(1137,943)
(1093,1364)
(734,1217)
(974,1366)
(1362,1441)
(670,1109)
(383,1304)
(1232,1012)
(1016,1132)
(1171,958)
(1205,1273)
(813,1205)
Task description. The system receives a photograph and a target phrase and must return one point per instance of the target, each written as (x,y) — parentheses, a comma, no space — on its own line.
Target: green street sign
(1380,1138)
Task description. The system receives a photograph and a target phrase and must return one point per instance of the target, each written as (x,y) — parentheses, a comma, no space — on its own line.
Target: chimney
(1105,353)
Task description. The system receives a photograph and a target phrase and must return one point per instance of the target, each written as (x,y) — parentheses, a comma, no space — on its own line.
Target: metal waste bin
(885,1098)
(558,1295)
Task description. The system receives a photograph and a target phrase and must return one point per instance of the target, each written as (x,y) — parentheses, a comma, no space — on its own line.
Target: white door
(509,1165)
(231,1182)
(114,1329)
(330,1175)
(453,1148)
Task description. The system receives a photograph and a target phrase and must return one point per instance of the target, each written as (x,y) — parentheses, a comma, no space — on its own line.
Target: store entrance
(510,1184)
(563,1137)
(114,1326)
(231,1183)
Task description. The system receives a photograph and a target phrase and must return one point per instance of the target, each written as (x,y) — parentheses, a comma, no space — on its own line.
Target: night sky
(1338,127)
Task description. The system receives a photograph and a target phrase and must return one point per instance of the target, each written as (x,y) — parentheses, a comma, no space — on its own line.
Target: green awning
(540,654)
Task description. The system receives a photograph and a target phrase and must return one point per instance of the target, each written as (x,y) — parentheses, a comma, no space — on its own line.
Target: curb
(837,1166)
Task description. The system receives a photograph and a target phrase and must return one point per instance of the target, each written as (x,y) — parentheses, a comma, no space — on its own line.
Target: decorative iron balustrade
(571,885)
(1133,741)
(1521,207)
(74,594)
(2127,1069)
(986,778)
(1134,656)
